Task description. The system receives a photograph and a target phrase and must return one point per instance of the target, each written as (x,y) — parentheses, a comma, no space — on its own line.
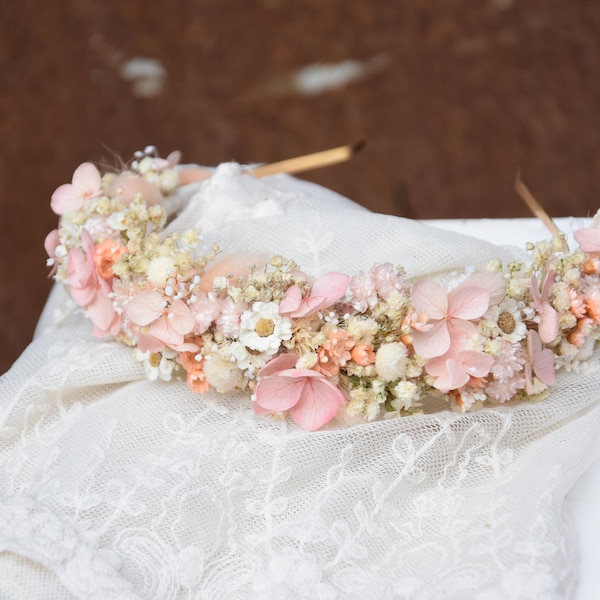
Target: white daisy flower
(262,328)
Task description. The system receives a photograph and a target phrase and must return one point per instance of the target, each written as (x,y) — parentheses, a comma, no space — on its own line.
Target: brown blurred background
(452,97)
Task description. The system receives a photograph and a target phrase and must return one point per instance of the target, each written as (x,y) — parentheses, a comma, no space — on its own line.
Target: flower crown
(374,343)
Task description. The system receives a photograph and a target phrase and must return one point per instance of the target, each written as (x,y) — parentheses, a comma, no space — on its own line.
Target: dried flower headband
(369,344)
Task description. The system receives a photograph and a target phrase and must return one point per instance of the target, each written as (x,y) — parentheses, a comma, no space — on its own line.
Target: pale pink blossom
(86,183)
(364,293)
(206,309)
(386,279)
(503,391)
(311,399)
(458,365)
(445,311)
(548,319)
(540,362)
(325,292)
(90,290)
(588,239)
(509,361)
(168,320)
(228,321)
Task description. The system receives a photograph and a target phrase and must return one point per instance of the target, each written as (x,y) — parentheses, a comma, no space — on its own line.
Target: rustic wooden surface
(457,96)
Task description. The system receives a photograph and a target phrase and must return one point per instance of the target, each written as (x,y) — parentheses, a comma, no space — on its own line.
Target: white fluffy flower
(391,360)
(246,360)
(157,365)
(160,269)
(222,374)
(262,328)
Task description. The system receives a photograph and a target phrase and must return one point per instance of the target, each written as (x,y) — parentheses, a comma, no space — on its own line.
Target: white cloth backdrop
(112,486)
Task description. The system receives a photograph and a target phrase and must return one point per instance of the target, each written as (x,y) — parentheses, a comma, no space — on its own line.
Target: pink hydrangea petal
(147,343)
(434,342)
(453,378)
(51,242)
(476,364)
(87,178)
(318,405)
(162,330)
(291,300)
(80,272)
(278,393)
(549,324)
(429,297)
(181,317)
(279,363)
(101,310)
(468,303)
(588,239)
(144,308)
(65,198)
(330,287)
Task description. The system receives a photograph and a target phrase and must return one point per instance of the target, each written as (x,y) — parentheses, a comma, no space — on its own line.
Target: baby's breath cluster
(374,344)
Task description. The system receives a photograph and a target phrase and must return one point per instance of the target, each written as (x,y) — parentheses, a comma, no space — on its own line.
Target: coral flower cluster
(373,344)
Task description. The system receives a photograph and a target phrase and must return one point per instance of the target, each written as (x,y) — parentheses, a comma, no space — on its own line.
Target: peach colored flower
(576,303)
(196,380)
(592,303)
(363,355)
(334,353)
(581,332)
(106,255)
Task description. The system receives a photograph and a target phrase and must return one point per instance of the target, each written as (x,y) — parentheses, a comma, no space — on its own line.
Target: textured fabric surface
(113,486)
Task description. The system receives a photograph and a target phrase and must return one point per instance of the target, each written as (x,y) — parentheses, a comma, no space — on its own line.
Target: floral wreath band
(370,344)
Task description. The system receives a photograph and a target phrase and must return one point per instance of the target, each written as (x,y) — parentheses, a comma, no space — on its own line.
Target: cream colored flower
(222,374)
(391,361)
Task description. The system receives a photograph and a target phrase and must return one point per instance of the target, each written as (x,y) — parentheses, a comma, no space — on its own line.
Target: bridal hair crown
(373,344)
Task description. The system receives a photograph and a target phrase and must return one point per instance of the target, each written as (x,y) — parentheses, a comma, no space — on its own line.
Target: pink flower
(445,311)
(325,292)
(548,324)
(86,183)
(335,352)
(455,368)
(91,291)
(364,293)
(588,239)
(228,322)
(311,398)
(169,320)
(540,363)
(205,309)
(386,279)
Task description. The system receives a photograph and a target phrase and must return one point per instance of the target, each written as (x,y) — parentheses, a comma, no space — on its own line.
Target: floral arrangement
(373,343)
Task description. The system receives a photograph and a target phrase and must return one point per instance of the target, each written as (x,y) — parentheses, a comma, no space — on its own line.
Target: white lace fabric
(113,486)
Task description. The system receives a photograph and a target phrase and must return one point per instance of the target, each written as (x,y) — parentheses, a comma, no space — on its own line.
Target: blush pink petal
(51,242)
(449,373)
(541,361)
(476,364)
(318,404)
(282,362)
(588,239)
(127,186)
(291,300)
(429,297)
(162,330)
(145,307)
(433,342)
(181,317)
(278,393)
(86,183)
(325,292)
(468,303)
